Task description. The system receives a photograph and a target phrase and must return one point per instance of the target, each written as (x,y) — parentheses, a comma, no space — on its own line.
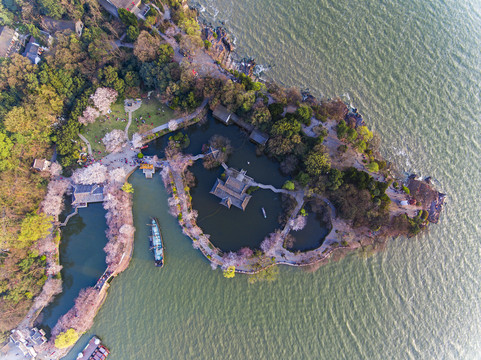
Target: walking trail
(84,139)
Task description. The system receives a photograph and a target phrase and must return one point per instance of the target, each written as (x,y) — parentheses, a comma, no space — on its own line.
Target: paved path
(181,119)
(89,148)
(126,131)
(117,44)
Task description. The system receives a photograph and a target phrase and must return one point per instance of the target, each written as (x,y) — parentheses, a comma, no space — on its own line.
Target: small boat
(144,147)
(156,245)
(264,213)
(94,350)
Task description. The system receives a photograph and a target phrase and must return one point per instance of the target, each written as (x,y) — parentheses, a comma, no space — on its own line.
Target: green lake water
(413,69)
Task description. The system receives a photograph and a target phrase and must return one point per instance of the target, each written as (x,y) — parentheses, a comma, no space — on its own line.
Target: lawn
(104,124)
(157,117)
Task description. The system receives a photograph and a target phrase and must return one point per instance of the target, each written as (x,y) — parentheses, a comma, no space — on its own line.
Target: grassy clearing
(96,131)
(157,117)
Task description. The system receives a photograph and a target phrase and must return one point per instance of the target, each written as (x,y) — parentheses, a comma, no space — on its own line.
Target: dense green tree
(317,163)
(276,110)
(166,54)
(33,228)
(260,116)
(132,79)
(51,8)
(334,179)
(304,114)
(127,18)
(6,146)
(132,33)
(286,128)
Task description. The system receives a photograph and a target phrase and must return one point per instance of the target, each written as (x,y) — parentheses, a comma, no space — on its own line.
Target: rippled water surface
(413,69)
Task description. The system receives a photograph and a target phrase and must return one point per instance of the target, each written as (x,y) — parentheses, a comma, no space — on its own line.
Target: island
(91,93)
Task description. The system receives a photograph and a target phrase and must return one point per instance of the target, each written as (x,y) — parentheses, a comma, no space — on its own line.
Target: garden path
(84,139)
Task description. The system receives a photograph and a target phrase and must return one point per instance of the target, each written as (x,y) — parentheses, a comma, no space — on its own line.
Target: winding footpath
(84,139)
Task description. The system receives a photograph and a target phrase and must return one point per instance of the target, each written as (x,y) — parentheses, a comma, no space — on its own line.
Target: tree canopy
(66,339)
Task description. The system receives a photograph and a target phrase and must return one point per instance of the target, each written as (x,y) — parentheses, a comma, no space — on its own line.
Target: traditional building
(32,51)
(259,137)
(41,164)
(26,339)
(222,114)
(85,194)
(233,190)
(148,170)
(8,41)
(134,6)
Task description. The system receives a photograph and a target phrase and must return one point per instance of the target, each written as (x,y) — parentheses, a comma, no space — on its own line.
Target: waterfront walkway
(277,254)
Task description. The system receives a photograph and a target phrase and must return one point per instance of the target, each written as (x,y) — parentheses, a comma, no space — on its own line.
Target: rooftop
(8,36)
(84,194)
(41,164)
(259,137)
(53,25)
(221,113)
(233,190)
(125,4)
(31,51)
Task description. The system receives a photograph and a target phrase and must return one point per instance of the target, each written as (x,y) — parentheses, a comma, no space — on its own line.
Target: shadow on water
(82,258)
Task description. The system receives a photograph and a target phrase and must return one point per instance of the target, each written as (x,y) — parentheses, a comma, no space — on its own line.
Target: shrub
(406,190)
(229,273)
(289,185)
(373,167)
(66,339)
(140,155)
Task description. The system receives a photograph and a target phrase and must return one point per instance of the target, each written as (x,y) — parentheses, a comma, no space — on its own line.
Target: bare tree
(53,203)
(80,316)
(51,288)
(120,229)
(93,174)
(103,98)
(137,140)
(89,115)
(55,169)
(146,47)
(173,125)
(271,242)
(118,175)
(298,223)
(114,141)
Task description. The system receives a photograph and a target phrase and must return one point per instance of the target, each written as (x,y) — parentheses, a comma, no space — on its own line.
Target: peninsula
(108,81)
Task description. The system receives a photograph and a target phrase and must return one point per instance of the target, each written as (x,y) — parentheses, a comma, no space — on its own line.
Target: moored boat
(156,245)
(94,350)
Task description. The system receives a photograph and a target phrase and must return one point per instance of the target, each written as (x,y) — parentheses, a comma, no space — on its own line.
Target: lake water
(413,69)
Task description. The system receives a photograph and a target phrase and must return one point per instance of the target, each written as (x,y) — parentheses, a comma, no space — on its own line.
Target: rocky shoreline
(342,236)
